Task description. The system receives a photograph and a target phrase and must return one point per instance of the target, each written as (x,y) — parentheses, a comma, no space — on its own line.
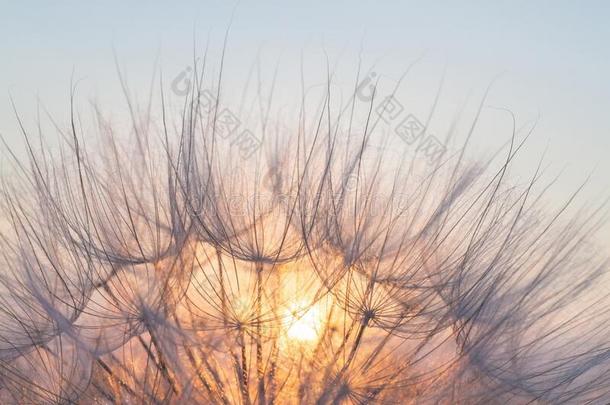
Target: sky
(552,58)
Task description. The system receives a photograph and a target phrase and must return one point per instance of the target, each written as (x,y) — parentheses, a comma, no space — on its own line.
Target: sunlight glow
(304,324)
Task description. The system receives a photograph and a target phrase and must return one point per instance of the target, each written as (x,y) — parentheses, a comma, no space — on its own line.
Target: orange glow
(304,323)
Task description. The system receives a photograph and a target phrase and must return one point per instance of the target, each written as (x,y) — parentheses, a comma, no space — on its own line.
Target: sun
(304,322)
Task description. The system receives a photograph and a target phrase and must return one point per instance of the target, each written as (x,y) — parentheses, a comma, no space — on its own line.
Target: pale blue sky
(554,55)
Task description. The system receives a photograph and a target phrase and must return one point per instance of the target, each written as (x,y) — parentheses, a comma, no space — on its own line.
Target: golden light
(305,322)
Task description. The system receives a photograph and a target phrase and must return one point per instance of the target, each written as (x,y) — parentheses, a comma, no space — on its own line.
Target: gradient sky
(554,56)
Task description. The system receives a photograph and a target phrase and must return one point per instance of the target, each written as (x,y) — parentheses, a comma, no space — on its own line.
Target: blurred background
(548,62)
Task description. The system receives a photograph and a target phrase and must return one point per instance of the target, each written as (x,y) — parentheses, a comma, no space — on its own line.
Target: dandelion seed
(163,267)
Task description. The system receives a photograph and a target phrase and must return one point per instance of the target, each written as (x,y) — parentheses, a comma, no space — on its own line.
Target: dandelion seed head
(297,263)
